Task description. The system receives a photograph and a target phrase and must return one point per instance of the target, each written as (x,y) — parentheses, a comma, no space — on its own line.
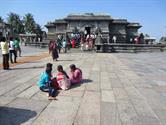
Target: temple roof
(60,21)
(88,16)
(92,17)
(121,21)
(49,24)
(134,25)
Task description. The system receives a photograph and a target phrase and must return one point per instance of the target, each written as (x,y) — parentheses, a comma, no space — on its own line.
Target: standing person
(62,78)
(17,46)
(82,43)
(68,42)
(85,33)
(12,51)
(73,42)
(45,82)
(53,50)
(114,39)
(64,45)
(141,38)
(131,40)
(5,53)
(136,40)
(87,44)
(75,75)
(59,44)
(90,43)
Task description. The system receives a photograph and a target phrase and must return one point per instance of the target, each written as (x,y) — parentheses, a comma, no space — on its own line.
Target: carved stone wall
(132,32)
(121,28)
(118,30)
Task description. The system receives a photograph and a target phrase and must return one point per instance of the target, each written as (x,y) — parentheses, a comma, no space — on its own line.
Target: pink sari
(76,76)
(63,81)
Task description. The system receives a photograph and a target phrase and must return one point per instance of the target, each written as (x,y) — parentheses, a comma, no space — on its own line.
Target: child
(45,82)
(62,78)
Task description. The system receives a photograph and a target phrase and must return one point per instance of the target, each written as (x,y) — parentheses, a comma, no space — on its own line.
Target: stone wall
(118,30)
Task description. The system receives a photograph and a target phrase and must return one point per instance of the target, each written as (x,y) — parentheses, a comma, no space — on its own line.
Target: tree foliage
(26,25)
(38,30)
(29,23)
(15,23)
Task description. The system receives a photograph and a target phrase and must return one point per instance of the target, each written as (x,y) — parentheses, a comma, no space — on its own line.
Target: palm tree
(29,23)
(15,23)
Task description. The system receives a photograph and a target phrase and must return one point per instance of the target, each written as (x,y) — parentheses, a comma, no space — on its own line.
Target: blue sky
(151,14)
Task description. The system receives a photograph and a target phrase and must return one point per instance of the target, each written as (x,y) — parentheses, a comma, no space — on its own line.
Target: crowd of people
(88,42)
(48,83)
(64,43)
(9,49)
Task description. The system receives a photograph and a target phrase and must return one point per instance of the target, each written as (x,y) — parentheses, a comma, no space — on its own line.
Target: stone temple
(90,23)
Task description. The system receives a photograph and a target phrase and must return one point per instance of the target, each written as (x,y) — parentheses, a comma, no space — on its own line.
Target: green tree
(29,23)
(1,20)
(38,30)
(15,23)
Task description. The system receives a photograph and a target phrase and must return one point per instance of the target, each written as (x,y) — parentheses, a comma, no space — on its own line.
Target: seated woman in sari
(62,79)
(75,75)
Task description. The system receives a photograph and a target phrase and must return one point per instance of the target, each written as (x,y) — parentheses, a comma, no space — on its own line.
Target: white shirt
(11,45)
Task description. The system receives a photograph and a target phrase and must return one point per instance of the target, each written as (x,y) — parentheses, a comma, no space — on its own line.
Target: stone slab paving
(28,51)
(118,89)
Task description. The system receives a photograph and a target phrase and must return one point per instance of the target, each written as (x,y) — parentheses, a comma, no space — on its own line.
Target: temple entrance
(88,30)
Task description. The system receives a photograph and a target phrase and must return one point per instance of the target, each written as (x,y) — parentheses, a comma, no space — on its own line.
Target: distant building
(163,40)
(150,40)
(90,23)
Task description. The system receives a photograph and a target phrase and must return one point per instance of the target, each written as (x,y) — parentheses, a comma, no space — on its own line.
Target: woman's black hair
(49,65)
(60,68)
(48,68)
(3,39)
(72,66)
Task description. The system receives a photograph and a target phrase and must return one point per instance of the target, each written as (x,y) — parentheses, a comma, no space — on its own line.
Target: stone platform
(118,89)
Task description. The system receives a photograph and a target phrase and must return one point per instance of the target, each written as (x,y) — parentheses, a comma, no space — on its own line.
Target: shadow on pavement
(66,60)
(83,82)
(86,81)
(34,67)
(15,116)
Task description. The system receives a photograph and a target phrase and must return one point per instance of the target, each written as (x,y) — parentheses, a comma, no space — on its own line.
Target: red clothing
(73,42)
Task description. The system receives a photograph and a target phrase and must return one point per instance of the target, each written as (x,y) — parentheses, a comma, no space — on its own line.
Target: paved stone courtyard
(118,89)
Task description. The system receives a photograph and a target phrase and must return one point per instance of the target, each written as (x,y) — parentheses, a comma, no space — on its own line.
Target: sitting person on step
(45,82)
(62,79)
(75,75)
